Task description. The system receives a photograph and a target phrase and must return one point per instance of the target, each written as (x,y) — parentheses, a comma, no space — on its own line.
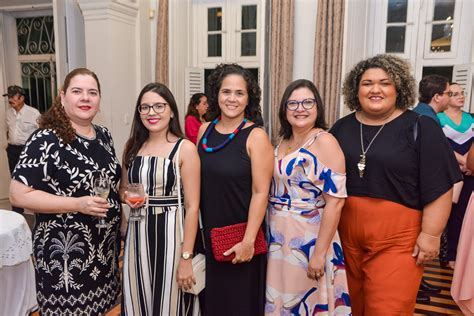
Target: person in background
(21,123)
(434,98)
(195,116)
(237,163)
(306,271)
(462,286)
(76,261)
(157,263)
(458,126)
(398,195)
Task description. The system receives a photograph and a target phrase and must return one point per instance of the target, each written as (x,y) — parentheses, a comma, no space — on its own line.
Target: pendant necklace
(362,162)
(220,146)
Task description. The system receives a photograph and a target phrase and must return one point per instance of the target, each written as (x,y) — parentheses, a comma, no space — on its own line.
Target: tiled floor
(441,304)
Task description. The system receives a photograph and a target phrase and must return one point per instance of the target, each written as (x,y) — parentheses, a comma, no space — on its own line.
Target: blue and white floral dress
(296,208)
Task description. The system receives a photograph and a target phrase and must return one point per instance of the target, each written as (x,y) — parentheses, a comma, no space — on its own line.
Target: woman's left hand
(426,248)
(243,252)
(185,275)
(316,266)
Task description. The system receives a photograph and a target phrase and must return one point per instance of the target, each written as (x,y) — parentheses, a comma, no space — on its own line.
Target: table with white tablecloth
(17,276)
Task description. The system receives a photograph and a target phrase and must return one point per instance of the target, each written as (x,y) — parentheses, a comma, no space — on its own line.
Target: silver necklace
(362,162)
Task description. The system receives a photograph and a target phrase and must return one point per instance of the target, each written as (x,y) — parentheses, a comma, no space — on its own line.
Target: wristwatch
(186,255)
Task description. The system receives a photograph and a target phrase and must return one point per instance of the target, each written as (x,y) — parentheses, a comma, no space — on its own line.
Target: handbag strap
(180,203)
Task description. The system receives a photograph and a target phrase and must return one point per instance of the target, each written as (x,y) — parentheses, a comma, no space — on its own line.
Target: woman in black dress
(76,260)
(236,159)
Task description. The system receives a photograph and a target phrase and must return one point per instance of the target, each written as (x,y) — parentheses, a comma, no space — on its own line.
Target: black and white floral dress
(76,262)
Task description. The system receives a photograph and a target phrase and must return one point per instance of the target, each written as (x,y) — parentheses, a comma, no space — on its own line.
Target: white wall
(111,31)
(304,37)
(145,26)
(356,36)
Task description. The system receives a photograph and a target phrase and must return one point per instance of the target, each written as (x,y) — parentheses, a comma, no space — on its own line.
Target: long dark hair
(139,133)
(285,127)
(253,112)
(56,118)
(193,102)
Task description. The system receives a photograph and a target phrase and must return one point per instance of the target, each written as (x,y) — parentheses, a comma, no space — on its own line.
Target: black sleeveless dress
(226,191)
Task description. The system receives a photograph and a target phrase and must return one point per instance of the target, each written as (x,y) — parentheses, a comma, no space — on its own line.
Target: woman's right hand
(93,206)
(426,248)
(135,205)
(185,275)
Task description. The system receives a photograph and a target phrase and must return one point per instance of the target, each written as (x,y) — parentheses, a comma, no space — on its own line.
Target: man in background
(21,123)
(433,96)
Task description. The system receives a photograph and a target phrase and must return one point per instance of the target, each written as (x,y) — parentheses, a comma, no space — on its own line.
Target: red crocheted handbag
(224,238)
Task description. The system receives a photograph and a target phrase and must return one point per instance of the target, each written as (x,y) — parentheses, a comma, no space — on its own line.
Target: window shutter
(194,82)
(462,74)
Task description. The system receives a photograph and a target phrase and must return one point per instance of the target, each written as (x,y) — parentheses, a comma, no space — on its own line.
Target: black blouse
(402,166)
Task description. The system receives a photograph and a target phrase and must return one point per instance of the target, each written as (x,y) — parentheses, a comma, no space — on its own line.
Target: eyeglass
(157,107)
(307,104)
(457,94)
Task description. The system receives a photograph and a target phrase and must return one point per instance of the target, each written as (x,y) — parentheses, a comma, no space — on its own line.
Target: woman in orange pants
(399,197)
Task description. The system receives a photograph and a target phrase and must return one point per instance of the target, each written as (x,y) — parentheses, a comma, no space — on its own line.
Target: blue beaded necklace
(219,147)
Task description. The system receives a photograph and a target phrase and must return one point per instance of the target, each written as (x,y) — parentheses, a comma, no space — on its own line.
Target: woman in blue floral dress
(306,273)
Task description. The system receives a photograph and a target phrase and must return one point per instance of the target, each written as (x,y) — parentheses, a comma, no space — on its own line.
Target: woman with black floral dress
(76,260)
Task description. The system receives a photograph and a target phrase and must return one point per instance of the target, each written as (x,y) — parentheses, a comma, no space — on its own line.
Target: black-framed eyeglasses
(448,93)
(307,104)
(157,107)
(457,94)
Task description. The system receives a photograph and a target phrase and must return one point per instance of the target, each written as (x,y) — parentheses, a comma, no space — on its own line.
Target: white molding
(94,10)
(27,7)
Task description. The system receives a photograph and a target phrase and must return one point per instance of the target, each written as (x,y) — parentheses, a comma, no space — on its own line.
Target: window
(224,31)
(248,36)
(227,31)
(426,33)
(396,26)
(37,60)
(442,26)
(214,32)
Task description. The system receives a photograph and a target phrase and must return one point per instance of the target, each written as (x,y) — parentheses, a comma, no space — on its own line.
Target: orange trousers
(378,237)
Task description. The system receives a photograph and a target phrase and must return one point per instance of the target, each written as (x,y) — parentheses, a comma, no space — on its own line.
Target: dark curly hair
(56,118)
(253,112)
(285,127)
(397,69)
(139,133)
(193,102)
